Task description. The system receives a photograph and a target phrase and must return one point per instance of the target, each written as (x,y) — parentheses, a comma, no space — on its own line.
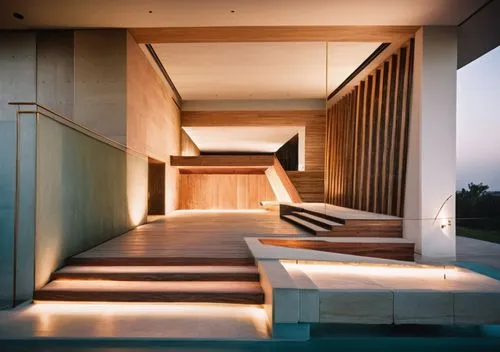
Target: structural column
(429,215)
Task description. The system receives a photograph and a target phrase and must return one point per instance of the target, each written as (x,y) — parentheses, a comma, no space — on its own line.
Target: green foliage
(477,208)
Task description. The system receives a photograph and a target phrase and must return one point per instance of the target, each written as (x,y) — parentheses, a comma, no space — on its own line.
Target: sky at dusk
(478,122)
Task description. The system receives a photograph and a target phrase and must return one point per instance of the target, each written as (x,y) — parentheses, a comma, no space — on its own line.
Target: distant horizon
(478,122)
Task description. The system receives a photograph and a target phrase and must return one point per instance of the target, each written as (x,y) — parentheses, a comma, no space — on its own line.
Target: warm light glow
(137,188)
(374,270)
(170,309)
(49,315)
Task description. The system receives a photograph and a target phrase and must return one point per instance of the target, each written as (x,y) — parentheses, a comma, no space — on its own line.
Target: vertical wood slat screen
(366,141)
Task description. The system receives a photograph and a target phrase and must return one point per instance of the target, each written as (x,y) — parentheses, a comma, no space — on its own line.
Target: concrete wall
(429,216)
(55,71)
(17,82)
(87,193)
(153,118)
(100,82)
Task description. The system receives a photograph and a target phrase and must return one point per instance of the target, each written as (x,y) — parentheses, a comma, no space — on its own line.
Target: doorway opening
(156,187)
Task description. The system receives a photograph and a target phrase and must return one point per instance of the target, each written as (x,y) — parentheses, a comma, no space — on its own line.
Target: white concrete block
(477,307)
(285,305)
(423,307)
(356,307)
(309,306)
(308,295)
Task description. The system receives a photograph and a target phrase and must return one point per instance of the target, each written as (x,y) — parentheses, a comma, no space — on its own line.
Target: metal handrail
(75,126)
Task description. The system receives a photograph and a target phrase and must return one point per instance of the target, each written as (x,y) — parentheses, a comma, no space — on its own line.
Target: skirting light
(170,309)
(373,270)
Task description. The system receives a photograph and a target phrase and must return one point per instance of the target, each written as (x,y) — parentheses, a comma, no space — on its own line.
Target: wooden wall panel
(153,118)
(216,191)
(309,185)
(367,139)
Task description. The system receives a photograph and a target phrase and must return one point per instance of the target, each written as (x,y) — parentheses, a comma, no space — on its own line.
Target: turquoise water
(325,338)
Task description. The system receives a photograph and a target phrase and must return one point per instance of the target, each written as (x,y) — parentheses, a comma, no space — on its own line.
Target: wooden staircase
(154,283)
(321,224)
(351,232)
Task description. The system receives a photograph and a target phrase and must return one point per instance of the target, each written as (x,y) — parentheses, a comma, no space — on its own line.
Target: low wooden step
(152,291)
(158,273)
(308,226)
(316,220)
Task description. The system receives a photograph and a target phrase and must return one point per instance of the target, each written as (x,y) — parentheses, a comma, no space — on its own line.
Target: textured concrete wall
(100,81)
(17,83)
(55,71)
(7,195)
(87,193)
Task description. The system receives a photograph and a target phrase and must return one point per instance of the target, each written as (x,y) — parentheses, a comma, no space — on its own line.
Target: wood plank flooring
(190,238)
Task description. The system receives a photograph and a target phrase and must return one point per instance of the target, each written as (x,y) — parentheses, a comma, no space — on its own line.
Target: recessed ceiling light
(18,15)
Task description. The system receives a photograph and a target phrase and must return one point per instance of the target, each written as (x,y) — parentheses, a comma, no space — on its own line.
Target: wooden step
(322,215)
(88,260)
(367,225)
(308,226)
(152,291)
(319,221)
(158,273)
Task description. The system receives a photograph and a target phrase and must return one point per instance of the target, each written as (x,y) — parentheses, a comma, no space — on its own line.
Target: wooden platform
(380,249)
(186,256)
(328,220)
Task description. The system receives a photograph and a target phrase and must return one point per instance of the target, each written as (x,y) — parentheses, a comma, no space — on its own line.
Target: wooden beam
(272,34)
(283,188)
(225,161)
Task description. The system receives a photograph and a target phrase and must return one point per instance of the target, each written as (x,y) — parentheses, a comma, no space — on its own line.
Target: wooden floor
(184,237)
(186,256)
